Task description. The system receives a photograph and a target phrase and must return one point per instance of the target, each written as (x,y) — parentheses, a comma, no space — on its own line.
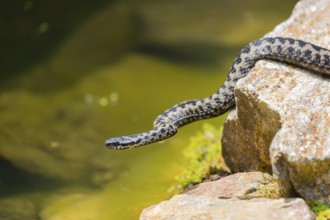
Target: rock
(239,185)
(174,28)
(207,201)
(201,207)
(17,208)
(73,206)
(281,122)
(101,39)
(22,34)
(183,25)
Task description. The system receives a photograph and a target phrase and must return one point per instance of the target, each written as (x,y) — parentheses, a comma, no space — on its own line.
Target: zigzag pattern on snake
(287,50)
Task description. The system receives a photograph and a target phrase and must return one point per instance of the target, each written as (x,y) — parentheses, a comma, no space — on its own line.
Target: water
(91,72)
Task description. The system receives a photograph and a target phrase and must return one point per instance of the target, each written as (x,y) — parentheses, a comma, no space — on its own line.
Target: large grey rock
(281,123)
(218,200)
(240,185)
(186,207)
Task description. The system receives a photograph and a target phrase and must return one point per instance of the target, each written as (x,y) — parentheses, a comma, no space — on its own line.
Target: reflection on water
(111,72)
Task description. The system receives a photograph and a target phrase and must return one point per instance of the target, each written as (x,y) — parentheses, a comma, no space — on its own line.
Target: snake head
(122,143)
(114,143)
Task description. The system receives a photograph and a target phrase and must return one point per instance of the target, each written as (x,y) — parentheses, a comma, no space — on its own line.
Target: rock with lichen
(200,207)
(256,194)
(240,185)
(281,121)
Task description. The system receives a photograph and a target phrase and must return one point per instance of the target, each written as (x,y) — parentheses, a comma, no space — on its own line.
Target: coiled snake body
(291,51)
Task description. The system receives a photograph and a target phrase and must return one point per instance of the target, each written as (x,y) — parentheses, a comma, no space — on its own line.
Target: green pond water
(76,74)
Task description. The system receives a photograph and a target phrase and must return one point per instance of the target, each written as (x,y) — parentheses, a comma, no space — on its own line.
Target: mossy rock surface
(17,208)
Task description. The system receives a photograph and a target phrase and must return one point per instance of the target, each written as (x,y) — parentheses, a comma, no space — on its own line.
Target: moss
(322,210)
(269,191)
(324,215)
(268,188)
(205,158)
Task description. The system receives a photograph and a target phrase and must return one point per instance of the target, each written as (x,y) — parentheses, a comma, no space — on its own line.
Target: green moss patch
(322,210)
(205,158)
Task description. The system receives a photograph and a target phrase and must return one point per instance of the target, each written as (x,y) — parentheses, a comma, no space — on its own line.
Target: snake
(290,51)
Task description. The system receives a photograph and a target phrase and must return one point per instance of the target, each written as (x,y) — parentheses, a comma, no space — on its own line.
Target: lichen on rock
(246,185)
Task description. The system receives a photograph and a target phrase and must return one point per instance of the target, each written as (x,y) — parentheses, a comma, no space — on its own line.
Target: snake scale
(287,50)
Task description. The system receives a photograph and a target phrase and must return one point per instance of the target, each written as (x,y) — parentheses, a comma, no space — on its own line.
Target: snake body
(287,50)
